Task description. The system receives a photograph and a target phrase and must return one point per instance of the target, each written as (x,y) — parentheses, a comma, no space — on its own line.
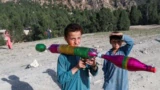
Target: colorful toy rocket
(128,63)
(69,50)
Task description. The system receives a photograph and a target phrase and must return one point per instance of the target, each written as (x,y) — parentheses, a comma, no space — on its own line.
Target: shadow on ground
(16,84)
(53,75)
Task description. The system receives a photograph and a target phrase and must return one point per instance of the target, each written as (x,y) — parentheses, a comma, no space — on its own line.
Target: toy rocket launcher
(128,63)
(69,50)
(124,62)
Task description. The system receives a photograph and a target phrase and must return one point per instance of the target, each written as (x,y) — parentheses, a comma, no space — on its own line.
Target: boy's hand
(81,64)
(117,34)
(91,62)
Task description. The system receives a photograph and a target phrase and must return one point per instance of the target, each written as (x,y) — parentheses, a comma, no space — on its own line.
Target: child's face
(116,44)
(6,32)
(73,38)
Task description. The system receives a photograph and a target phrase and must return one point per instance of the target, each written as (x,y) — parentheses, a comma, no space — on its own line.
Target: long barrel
(128,63)
(83,52)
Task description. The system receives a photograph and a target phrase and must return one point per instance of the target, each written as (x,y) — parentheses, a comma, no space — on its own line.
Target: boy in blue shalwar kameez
(70,69)
(116,78)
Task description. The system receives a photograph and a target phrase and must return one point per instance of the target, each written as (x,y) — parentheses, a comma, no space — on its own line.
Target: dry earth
(13,62)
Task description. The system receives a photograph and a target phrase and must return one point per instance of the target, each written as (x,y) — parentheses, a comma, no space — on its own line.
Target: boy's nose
(76,42)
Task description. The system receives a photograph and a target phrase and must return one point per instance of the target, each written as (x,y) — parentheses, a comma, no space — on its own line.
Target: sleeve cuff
(70,73)
(123,37)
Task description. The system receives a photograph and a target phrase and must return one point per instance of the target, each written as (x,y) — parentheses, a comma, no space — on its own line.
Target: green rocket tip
(40,47)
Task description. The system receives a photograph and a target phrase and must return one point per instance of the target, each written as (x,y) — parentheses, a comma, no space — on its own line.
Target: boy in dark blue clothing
(70,72)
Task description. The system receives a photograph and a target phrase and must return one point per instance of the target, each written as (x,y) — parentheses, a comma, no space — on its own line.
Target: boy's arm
(129,44)
(104,68)
(94,70)
(92,65)
(63,75)
(104,65)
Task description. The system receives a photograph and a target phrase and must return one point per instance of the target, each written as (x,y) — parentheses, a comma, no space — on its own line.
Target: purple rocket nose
(54,48)
(92,53)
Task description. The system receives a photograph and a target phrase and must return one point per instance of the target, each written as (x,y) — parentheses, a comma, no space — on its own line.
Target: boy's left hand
(91,62)
(117,34)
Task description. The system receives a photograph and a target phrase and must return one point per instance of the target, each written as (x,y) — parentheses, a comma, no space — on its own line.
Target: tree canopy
(26,14)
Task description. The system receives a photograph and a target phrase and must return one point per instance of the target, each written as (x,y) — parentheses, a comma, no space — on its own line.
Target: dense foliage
(26,14)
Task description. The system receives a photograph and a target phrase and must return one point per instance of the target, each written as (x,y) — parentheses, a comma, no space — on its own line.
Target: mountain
(91,4)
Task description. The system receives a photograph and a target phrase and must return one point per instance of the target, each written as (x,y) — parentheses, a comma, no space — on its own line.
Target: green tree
(124,22)
(135,15)
(93,22)
(4,21)
(16,29)
(37,32)
(105,17)
(149,12)
(152,13)
(116,14)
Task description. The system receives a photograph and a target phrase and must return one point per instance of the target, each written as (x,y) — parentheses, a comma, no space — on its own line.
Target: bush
(2,41)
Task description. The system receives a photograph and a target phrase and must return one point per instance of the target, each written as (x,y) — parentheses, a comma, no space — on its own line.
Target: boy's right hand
(81,64)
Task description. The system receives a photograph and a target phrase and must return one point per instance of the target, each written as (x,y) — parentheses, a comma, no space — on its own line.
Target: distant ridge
(91,4)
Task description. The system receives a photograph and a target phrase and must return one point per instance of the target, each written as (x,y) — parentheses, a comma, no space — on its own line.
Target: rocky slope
(93,4)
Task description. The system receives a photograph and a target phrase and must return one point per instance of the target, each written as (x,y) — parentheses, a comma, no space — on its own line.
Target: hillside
(92,4)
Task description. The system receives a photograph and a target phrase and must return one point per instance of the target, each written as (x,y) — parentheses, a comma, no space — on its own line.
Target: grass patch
(2,41)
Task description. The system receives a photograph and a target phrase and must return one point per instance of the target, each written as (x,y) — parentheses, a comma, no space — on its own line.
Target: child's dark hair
(115,37)
(72,28)
(7,31)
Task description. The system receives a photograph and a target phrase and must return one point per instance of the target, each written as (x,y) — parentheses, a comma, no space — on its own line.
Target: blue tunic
(69,81)
(116,78)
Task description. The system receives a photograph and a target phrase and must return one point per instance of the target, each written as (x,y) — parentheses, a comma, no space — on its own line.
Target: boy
(70,69)
(116,78)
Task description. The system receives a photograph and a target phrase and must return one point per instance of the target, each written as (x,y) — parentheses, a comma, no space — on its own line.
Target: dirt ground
(13,63)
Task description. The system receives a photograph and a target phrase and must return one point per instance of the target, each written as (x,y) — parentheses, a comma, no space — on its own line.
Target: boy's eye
(119,41)
(72,39)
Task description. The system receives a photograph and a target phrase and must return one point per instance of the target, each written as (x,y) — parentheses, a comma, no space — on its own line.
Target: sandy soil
(144,27)
(13,63)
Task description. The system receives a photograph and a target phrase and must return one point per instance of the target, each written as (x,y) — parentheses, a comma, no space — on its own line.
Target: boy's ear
(110,41)
(65,38)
